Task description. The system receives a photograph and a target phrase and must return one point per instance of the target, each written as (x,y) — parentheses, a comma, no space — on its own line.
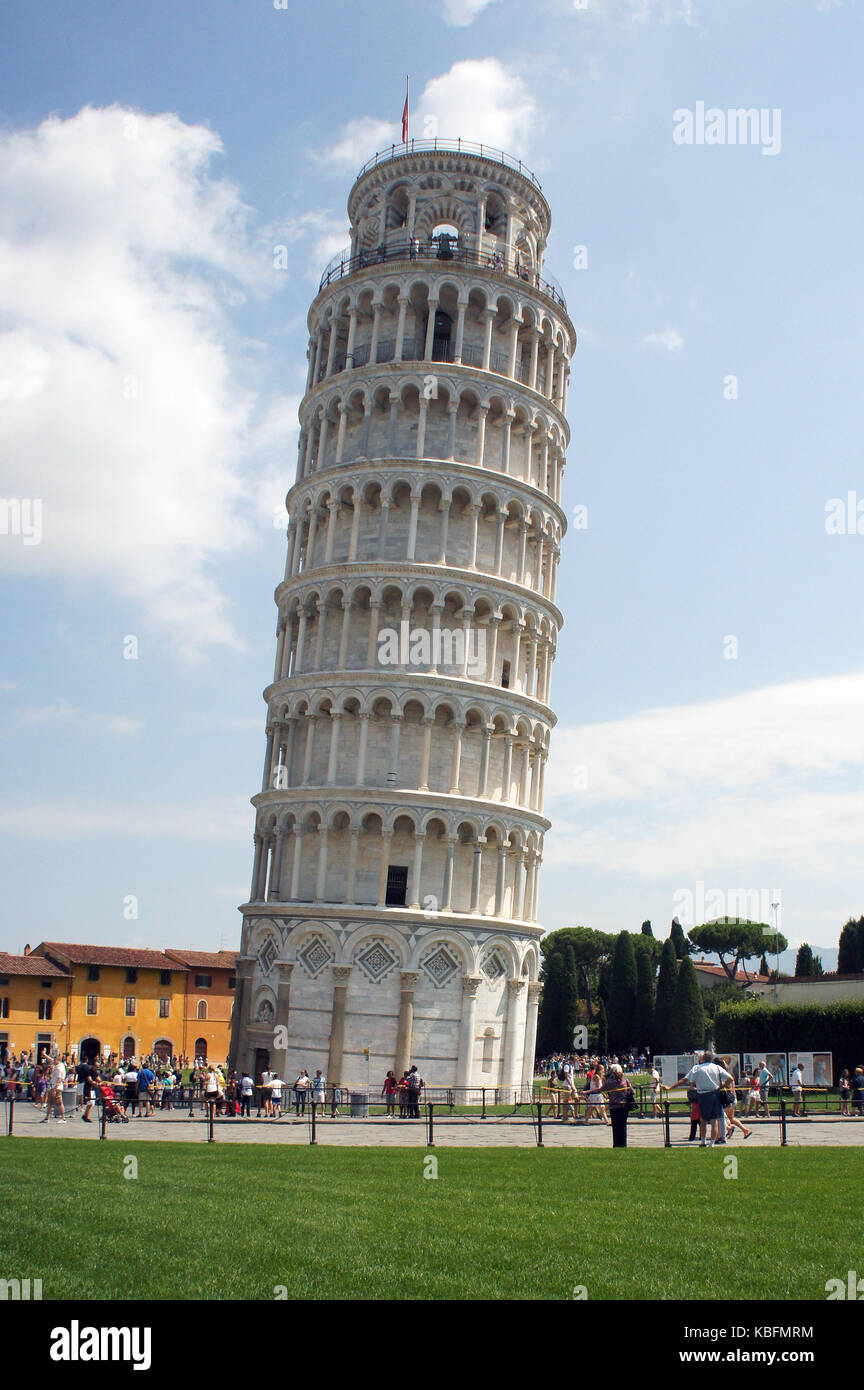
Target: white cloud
(670,338)
(62,713)
(749,784)
(218,821)
(120,252)
(360,139)
(460,13)
(479,99)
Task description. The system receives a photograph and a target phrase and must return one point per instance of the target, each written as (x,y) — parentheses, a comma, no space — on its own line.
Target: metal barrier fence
(440,249)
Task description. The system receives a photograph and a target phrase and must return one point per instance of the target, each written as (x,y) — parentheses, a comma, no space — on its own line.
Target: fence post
(313,1138)
(431,1127)
(483,1114)
(211,1109)
(667,1141)
(11,1113)
(782,1122)
(540,1124)
(102,1121)
(191,1096)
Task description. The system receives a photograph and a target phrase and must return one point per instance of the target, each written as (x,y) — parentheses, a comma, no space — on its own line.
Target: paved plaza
(454,1132)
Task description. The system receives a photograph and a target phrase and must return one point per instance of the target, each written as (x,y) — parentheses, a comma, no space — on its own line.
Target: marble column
(467,1028)
(405,1026)
(341,976)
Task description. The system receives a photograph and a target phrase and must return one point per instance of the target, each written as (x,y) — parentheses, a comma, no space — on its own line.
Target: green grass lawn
(203,1221)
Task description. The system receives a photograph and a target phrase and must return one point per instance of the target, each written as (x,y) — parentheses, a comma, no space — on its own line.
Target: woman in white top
(596,1098)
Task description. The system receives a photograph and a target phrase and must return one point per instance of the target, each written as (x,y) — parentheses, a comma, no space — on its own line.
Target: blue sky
(151,363)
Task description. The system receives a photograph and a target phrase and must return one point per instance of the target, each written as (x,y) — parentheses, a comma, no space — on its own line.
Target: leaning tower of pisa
(392,916)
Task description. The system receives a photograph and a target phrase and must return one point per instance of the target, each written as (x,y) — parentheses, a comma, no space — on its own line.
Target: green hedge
(837,1028)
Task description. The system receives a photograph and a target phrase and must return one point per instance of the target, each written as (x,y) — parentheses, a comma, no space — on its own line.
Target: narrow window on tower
(397,886)
(505,675)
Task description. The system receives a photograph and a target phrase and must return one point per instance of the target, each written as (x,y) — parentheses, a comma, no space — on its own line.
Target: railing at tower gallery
(457,146)
(440,248)
(442,351)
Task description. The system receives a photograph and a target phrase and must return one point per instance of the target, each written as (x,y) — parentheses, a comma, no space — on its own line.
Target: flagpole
(407,109)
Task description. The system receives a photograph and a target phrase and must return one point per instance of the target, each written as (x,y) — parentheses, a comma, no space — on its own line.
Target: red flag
(405,119)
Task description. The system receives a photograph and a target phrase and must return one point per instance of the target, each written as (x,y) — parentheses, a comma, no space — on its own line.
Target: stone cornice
(398,798)
(352,680)
(395,916)
(390,569)
(341,472)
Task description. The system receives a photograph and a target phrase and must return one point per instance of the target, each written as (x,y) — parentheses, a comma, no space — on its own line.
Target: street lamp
(775,908)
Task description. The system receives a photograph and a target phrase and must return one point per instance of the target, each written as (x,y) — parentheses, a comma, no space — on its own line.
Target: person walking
(88,1093)
(276,1084)
(415,1090)
(146,1086)
(622,1098)
(708,1079)
(657,1089)
(247,1090)
(845,1088)
(765,1078)
(796,1081)
(731,1122)
(319,1090)
(301,1088)
(596,1099)
(858,1092)
(388,1091)
(130,1083)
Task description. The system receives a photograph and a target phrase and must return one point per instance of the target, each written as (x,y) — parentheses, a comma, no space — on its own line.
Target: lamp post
(775,908)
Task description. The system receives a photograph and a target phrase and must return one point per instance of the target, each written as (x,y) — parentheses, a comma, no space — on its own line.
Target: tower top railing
(438,249)
(450,147)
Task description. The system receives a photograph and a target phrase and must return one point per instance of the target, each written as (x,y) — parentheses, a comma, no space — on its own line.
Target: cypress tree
(859,944)
(569,1010)
(602,1030)
(803,961)
(688,1012)
(550,1004)
(622,994)
(643,1014)
(763,966)
(646,929)
(847,949)
(666,980)
(678,939)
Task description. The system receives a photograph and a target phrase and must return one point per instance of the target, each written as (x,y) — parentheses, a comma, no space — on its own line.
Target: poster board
(774,1061)
(672,1066)
(818,1067)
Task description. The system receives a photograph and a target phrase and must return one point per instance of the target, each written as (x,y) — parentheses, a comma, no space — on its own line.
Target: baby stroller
(114,1111)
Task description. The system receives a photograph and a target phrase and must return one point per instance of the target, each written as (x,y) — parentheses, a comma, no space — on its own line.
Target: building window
(92,973)
(203,981)
(163,1007)
(130,1006)
(488,1049)
(4,1007)
(164,977)
(46,984)
(131,977)
(202,1008)
(201,1049)
(92,1003)
(5,980)
(397,886)
(45,1010)
(232,981)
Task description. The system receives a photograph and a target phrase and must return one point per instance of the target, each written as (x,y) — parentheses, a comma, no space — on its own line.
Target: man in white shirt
(798,1089)
(54,1099)
(707,1078)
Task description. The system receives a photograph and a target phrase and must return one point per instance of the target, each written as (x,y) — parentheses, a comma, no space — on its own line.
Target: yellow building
(126,1001)
(34,1002)
(208,1002)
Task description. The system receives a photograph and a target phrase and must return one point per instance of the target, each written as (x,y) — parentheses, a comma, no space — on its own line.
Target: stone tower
(399,827)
